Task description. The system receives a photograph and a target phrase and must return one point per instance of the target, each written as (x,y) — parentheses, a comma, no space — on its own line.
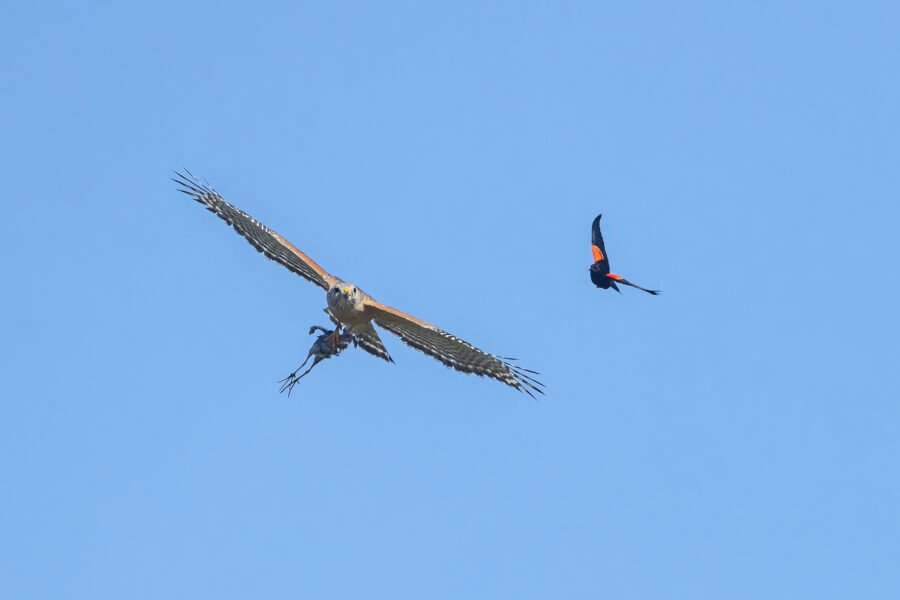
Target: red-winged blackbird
(600,274)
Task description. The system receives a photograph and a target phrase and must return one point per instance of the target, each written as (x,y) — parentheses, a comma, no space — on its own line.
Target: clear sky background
(736,437)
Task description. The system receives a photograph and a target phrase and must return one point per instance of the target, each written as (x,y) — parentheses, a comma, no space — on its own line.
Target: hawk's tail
(367,338)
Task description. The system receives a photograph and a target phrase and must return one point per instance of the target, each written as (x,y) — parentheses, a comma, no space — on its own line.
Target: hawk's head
(345,293)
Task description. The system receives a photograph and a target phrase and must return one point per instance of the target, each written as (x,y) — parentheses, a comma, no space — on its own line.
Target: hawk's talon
(336,340)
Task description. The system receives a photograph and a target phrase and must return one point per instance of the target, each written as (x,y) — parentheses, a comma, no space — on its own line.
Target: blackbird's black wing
(601,261)
(624,281)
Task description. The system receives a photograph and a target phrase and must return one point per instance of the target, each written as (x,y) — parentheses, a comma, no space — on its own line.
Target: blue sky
(735,437)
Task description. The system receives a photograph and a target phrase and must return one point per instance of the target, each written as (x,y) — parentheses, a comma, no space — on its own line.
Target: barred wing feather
(270,243)
(451,351)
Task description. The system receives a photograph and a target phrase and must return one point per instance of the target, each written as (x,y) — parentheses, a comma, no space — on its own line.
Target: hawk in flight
(600,274)
(356,311)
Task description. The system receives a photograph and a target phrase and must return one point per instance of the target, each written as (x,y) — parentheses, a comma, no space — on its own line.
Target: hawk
(600,274)
(356,311)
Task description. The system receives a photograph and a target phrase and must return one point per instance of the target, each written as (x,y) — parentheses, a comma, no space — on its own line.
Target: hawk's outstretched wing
(260,237)
(450,350)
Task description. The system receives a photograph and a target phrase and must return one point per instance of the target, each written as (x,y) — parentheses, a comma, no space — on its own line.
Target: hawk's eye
(354,290)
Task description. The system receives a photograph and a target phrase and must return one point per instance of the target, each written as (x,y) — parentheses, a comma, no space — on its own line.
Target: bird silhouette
(600,273)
